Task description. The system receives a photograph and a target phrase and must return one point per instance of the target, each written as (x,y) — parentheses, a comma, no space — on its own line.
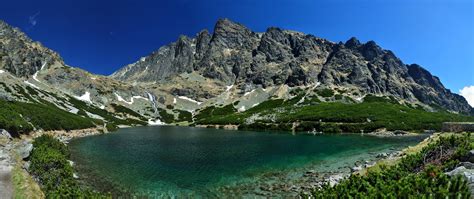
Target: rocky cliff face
(20,55)
(235,55)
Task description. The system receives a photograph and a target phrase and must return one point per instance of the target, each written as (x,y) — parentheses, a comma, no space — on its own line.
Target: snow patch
(241,109)
(72,109)
(155,123)
(42,66)
(316,85)
(132,99)
(30,84)
(94,116)
(86,97)
(189,99)
(227,88)
(35,76)
(359,99)
(301,100)
(174,100)
(2,71)
(138,97)
(102,107)
(120,98)
(93,78)
(248,93)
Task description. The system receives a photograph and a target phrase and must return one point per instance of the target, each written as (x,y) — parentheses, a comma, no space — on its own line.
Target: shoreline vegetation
(19,153)
(426,170)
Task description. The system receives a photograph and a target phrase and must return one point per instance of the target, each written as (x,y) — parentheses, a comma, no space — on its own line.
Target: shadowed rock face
(233,54)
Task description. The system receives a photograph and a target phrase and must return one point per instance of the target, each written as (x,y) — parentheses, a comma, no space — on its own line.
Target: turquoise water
(185,161)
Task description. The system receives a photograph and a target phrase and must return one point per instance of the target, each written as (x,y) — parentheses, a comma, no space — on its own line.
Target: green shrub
(325,92)
(165,116)
(184,116)
(416,176)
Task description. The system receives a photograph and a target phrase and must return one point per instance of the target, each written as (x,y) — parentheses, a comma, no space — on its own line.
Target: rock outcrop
(20,55)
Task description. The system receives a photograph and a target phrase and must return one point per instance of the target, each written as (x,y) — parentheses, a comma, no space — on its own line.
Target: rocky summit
(235,55)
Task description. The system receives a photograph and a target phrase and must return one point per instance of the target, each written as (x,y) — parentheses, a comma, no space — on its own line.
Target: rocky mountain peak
(228,34)
(352,43)
(371,50)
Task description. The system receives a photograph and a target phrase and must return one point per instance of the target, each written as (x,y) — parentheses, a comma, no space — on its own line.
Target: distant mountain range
(231,66)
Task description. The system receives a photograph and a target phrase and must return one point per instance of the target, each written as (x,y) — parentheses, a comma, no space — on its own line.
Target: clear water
(185,161)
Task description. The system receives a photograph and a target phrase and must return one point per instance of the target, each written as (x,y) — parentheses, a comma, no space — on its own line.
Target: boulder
(5,134)
(24,149)
(468,174)
(468,165)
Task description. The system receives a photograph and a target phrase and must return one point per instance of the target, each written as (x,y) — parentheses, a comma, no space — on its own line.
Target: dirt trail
(6,186)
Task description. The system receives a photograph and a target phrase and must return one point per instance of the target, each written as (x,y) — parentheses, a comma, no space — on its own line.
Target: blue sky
(102,36)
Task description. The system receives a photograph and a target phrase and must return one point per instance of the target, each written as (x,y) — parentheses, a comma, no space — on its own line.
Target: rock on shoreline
(383,132)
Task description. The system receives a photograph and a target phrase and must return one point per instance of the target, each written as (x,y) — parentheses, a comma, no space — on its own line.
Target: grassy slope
(372,114)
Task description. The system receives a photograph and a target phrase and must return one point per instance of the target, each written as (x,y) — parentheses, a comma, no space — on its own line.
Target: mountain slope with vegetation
(278,79)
